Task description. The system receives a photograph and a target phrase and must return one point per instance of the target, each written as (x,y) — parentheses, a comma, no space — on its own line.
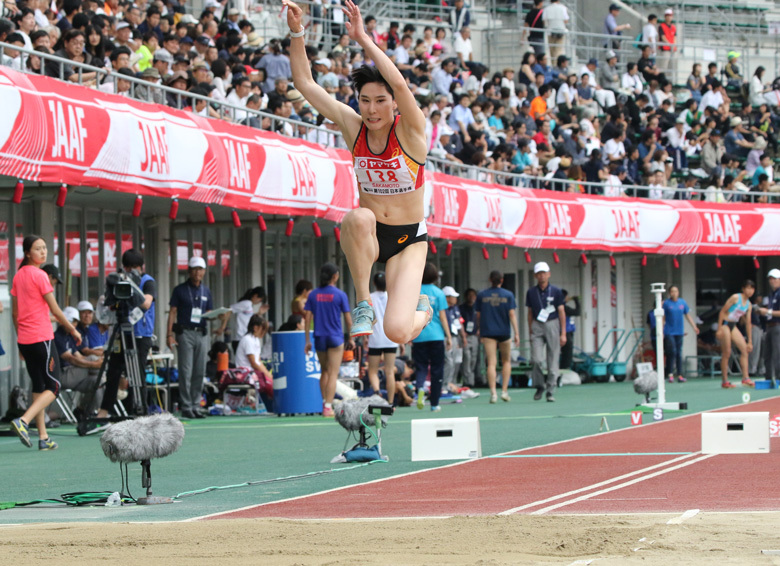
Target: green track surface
(222,451)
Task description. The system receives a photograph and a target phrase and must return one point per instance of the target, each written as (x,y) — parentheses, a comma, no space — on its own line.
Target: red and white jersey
(391,172)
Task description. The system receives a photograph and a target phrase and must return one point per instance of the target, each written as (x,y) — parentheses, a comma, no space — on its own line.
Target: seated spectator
(117,85)
(12,57)
(735,141)
(179,81)
(764,168)
(73,49)
(677,144)
(658,183)
(586,94)
(442,77)
(567,98)
(150,93)
(614,149)
(596,172)
(78,372)
(631,82)
(716,98)
(733,73)
(712,152)
(527,75)
(695,82)
(714,192)
(238,95)
(614,185)
(609,76)
(461,117)
(646,66)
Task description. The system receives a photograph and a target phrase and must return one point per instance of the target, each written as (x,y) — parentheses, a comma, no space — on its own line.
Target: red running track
(591,484)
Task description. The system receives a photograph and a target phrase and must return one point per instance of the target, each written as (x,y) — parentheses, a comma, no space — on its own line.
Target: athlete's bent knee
(359,222)
(397,333)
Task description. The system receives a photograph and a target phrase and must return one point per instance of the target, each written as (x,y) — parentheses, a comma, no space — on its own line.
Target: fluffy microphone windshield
(348,413)
(143,438)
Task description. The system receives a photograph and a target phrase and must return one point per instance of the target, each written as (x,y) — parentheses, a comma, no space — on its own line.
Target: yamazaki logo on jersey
(69,130)
(367,163)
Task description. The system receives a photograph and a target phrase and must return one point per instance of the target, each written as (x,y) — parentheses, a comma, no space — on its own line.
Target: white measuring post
(658,289)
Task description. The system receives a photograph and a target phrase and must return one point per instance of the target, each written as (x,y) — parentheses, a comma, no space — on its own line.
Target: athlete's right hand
(307,348)
(76,336)
(171,341)
(354,26)
(294,16)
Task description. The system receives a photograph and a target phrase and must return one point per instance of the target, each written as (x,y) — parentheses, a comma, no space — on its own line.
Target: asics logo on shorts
(403,238)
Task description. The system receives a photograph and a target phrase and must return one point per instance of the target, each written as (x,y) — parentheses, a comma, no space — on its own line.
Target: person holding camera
(132,266)
(188,331)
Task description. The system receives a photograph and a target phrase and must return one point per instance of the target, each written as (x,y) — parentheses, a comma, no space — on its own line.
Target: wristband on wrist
(298,33)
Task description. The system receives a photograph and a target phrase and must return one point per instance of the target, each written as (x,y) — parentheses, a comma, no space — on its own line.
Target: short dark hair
(430,274)
(303,285)
(327,271)
(132,258)
(71,6)
(365,75)
(118,51)
(496,277)
(380,282)
(256,320)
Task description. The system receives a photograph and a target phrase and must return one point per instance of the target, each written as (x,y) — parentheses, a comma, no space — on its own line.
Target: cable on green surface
(368,427)
(75,499)
(275,480)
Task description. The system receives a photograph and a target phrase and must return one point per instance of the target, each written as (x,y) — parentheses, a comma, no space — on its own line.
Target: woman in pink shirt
(32,299)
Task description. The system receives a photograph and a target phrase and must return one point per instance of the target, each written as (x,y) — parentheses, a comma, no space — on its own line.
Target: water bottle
(114,500)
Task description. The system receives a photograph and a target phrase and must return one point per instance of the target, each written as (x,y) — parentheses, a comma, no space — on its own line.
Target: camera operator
(133,266)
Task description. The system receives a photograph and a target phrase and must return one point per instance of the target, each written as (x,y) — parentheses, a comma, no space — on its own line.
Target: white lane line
(684,517)
(582,562)
(597,485)
(622,485)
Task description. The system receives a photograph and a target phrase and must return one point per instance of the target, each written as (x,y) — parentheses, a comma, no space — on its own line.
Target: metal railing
(325,136)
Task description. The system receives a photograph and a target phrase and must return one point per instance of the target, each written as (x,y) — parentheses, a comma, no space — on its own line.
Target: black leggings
(43,366)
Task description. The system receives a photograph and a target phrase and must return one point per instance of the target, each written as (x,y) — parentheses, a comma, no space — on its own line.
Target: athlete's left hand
(448,343)
(354,26)
(749,348)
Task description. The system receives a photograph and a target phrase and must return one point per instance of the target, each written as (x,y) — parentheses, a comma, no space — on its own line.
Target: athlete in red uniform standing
(389,153)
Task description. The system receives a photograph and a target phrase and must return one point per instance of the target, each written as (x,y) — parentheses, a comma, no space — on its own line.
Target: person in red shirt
(542,135)
(667,45)
(32,298)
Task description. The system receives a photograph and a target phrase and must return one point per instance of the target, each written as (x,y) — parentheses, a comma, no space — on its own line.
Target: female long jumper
(389,153)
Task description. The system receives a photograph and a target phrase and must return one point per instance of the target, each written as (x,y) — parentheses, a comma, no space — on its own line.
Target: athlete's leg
(403,322)
(724,339)
(360,246)
(490,362)
(335,355)
(390,376)
(506,364)
(739,341)
(373,372)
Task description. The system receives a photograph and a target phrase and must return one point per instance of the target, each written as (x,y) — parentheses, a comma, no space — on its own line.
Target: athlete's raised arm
(342,115)
(413,122)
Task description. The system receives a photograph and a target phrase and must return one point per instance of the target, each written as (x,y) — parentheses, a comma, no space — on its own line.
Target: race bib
(196,315)
(383,176)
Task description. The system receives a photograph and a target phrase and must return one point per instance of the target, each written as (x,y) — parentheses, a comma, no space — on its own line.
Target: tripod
(122,342)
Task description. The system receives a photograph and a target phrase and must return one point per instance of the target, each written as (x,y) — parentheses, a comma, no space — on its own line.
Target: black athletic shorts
(380,351)
(498,339)
(43,366)
(393,239)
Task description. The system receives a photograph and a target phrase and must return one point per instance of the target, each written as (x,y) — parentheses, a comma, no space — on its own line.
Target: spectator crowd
(608,126)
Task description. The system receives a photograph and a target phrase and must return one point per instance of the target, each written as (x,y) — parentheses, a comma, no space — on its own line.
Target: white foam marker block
(446,439)
(735,433)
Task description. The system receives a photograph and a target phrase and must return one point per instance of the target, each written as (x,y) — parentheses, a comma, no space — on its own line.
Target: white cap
(611,54)
(774,273)
(85,306)
(668,12)
(70,313)
(122,25)
(450,292)
(541,266)
(196,261)
(325,62)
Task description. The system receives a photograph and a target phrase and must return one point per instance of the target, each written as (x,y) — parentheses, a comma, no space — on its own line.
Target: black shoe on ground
(550,398)
(187,414)
(538,394)
(198,415)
